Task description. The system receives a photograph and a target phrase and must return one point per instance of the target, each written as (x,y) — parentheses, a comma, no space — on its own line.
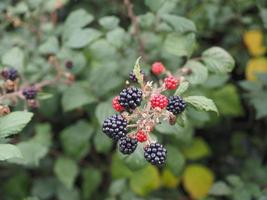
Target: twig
(135,24)
(54,61)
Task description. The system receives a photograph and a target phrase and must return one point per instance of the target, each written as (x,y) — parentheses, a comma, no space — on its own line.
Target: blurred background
(67,157)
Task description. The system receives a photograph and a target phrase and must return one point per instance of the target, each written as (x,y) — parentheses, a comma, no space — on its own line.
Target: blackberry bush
(140,120)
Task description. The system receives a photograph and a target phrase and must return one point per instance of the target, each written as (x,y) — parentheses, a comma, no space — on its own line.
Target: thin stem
(135,24)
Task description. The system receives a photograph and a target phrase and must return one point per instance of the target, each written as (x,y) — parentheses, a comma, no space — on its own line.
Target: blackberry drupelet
(127,145)
(133,77)
(155,153)
(29,93)
(176,105)
(130,98)
(115,126)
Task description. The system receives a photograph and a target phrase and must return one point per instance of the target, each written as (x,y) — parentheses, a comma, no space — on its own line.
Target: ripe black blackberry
(29,93)
(69,64)
(155,153)
(127,145)
(130,98)
(10,74)
(115,126)
(133,77)
(176,105)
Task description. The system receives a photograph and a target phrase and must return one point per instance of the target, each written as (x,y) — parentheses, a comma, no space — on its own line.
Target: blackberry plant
(135,123)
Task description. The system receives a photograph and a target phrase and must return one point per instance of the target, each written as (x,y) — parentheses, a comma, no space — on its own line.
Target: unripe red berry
(157,68)
(159,101)
(170,83)
(141,136)
(116,105)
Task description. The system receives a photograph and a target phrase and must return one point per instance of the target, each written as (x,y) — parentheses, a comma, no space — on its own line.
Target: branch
(135,24)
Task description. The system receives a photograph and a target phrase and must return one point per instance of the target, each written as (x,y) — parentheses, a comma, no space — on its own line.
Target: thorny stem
(135,24)
(60,72)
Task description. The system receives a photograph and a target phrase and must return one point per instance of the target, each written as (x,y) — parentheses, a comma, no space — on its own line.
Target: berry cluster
(29,93)
(10,74)
(141,109)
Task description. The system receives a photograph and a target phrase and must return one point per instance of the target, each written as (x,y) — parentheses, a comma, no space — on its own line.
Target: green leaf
(263,15)
(14,58)
(154,5)
(175,160)
(103,110)
(182,88)
(64,193)
(182,119)
(118,168)
(202,103)
(8,151)
(259,101)
(91,180)
(230,106)
(199,73)
(109,22)
(179,24)
(145,180)
(32,152)
(82,37)
(44,187)
(137,72)
(44,96)
(117,37)
(197,150)
(50,46)
(75,139)
(218,60)
(180,44)
(220,189)
(14,123)
(102,143)
(76,96)
(31,198)
(76,20)
(117,187)
(136,160)
(66,171)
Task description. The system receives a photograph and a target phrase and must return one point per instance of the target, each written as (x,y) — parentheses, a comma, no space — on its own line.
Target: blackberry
(155,153)
(176,105)
(130,98)
(69,64)
(133,77)
(127,145)
(29,93)
(115,127)
(10,74)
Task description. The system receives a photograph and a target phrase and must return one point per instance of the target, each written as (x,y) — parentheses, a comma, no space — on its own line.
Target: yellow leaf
(197,180)
(256,65)
(197,150)
(169,180)
(253,39)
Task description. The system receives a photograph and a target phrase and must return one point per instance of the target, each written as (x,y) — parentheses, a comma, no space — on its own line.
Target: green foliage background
(65,155)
